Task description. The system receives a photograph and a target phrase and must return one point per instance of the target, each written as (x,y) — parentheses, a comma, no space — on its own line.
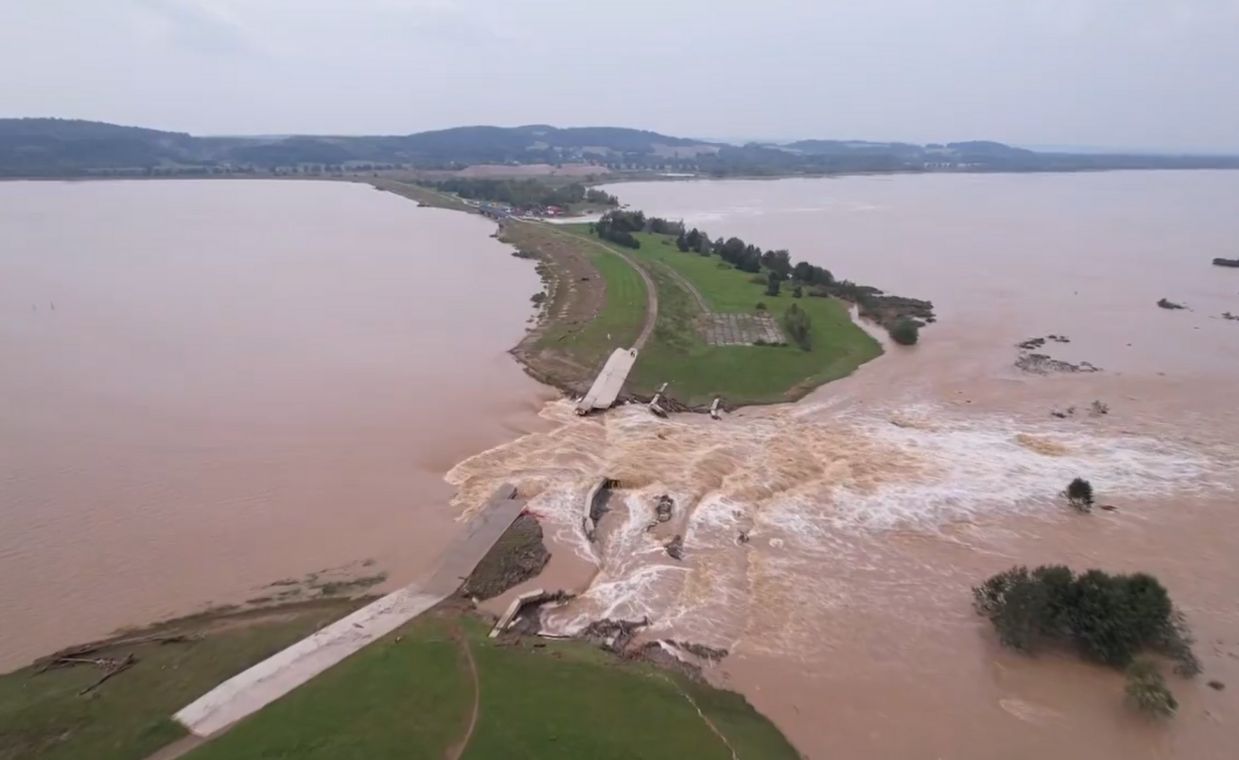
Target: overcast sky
(1119,73)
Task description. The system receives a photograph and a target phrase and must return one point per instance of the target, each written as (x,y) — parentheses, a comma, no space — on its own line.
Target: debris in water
(675,547)
(613,635)
(700,650)
(663,508)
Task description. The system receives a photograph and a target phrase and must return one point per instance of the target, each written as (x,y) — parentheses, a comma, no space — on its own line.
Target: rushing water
(871,507)
(207,386)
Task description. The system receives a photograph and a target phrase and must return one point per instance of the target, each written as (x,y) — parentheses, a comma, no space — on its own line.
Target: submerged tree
(905,332)
(1109,618)
(1147,691)
(1080,494)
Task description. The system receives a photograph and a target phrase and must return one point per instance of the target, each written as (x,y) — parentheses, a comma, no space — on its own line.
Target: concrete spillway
(610,381)
(251,690)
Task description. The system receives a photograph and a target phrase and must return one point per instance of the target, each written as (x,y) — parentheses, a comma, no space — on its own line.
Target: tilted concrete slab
(253,689)
(610,381)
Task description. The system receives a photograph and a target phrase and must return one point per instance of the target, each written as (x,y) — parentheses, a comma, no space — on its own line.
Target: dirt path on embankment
(455,752)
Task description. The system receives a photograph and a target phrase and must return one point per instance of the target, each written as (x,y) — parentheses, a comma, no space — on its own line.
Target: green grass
(412,698)
(394,699)
(127,718)
(620,319)
(741,374)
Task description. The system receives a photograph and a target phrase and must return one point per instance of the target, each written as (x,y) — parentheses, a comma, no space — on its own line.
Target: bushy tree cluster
(695,241)
(664,226)
(600,197)
(1109,618)
(619,226)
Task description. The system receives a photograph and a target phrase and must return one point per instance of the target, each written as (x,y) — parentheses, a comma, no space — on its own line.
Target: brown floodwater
(875,504)
(209,386)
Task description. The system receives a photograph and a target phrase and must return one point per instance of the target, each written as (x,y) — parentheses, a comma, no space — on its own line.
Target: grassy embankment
(44,715)
(741,374)
(411,695)
(408,695)
(571,346)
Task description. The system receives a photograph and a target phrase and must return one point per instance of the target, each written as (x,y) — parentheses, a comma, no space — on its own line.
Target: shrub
(797,292)
(905,332)
(796,322)
(761,306)
(1080,494)
(773,283)
(1147,692)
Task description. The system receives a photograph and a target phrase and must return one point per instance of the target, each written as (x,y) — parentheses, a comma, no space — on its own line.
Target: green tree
(772,284)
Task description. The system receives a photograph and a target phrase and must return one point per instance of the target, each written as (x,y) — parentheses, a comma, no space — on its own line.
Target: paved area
(740,329)
(251,690)
(610,381)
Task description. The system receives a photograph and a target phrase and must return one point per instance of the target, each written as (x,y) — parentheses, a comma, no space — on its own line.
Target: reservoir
(209,386)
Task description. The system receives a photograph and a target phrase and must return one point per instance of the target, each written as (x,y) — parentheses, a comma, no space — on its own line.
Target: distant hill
(65,147)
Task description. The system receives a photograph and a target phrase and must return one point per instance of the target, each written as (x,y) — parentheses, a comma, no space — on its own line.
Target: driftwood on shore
(110,668)
(76,654)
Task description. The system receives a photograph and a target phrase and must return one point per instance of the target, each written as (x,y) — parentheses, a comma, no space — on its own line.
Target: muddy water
(208,386)
(872,506)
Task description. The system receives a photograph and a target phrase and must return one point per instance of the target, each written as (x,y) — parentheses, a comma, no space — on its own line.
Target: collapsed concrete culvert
(522,615)
(596,505)
(613,635)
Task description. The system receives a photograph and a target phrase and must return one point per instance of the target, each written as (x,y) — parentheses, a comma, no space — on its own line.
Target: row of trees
(524,193)
(749,258)
(897,314)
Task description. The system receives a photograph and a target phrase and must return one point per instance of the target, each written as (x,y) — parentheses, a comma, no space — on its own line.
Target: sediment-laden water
(830,545)
(208,386)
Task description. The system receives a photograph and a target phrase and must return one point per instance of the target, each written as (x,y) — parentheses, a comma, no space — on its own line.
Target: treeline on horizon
(901,316)
(68,147)
(525,193)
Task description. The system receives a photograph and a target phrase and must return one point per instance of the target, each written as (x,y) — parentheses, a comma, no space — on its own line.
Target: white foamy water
(802,482)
